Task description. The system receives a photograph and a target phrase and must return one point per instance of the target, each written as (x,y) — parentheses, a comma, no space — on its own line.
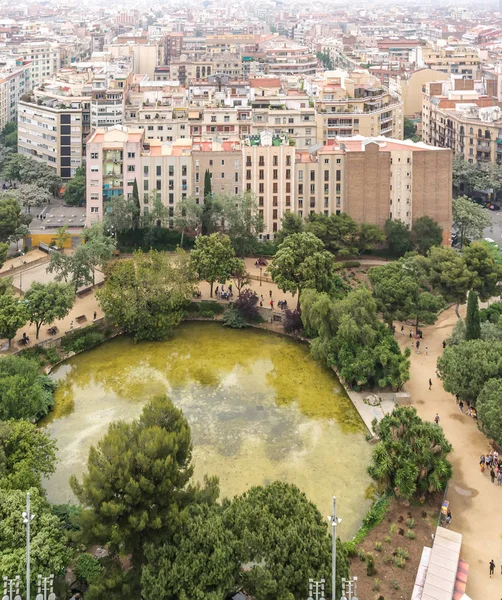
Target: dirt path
(475,503)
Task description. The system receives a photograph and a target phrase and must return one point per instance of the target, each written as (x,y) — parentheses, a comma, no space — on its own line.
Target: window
(261,161)
(248,175)
(131,155)
(171,198)
(261,188)
(171,171)
(312,188)
(326,175)
(183,170)
(94,209)
(145,185)
(260,201)
(145,171)
(210,163)
(274,213)
(261,174)
(288,187)
(312,175)
(248,187)
(300,188)
(236,177)
(338,161)
(159,185)
(159,170)
(288,161)
(326,202)
(236,190)
(275,161)
(131,168)
(338,175)
(94,169)
(248,161)
(213,118)
(300,175)
(275,187)
(94,155)
(275,174)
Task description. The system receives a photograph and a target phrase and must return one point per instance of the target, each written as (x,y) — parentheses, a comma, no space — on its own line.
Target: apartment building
(407,87)
(452,59)
(355,104)
(371,179)
(456,116)
(14,83)
(284,57)
(52,133)
(44,57)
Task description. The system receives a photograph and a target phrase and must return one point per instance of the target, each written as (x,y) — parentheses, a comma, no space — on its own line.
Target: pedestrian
(411,334)
(71,325)
(271,305)
(448,517)
(270,293)
(430,383)
(418,346)
(402,329)
(222,289)
(95,316)
(492,568)
(436,419)
(261,297)
(216,290)
(457,398)
(261,303)
(444,344)
(492,475)
(499,482)
(420,333)
(426,351)
(461,406)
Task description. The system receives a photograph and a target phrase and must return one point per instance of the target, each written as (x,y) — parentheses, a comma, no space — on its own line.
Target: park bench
(81,319)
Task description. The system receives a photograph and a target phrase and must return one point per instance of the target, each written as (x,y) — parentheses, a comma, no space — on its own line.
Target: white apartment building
(44,57)
(14,82)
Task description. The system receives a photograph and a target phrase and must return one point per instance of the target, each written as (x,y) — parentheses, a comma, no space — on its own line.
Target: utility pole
(334,522)
(8,585)
(42,588)
(27,518)
(318,592)
(349,586)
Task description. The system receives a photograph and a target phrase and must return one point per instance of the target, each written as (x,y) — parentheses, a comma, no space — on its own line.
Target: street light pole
(8,591)
(334,522)
(27,518)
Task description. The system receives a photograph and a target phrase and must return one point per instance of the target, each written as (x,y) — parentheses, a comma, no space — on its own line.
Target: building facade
(14,83)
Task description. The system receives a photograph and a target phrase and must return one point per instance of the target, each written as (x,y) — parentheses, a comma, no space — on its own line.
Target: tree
(369,237)
(207,212)
(466,368)
(213,258)
(240,275)
(12,316)
(46,302)
(119,214)
(137,208)
(136,480)
(146,294)
(50,550)
(486,270)
(10,216)
(449,275)
(425,234)
(410,130)
(469,219)
(301,262)
(398,237)
(30,194)
(410,457)
(339,233)
(466,176)
(26,454)
(283,539)
(187,215)
(241,220)
(62,237)
(199,563)
(472,322)
(24,393)
(489,409)
(74,194)
(87,568)
(247,305)
(290,223)
(22,168)
(98,248)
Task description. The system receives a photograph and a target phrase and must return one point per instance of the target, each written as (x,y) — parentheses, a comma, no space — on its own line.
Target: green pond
(260,409)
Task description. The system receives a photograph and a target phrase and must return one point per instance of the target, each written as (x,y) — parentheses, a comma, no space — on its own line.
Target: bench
(81,319)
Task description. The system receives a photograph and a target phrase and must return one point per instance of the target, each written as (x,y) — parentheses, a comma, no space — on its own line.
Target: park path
(474,501)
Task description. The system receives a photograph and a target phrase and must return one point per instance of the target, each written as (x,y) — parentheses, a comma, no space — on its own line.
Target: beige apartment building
(451,59)
(14,83)
(355,104)
(456,116)
(407,87)
(371,179)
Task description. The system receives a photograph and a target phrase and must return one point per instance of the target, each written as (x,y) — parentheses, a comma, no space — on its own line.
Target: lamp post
(318,592)
(334,520)
(42,588)
(349,586)
(27,519)
(8,585)
(261,269)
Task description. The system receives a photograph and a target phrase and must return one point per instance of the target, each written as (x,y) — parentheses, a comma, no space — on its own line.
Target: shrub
(156,238)
(393,529)
(411,523)
(373,518)
(387,539)
(247,305)
(403,553)
(205,308)
(399,562)
(292,320)
(362,555)
(388,559)
(82,339)
(232,318)
(378,546)
(410,534)
(376,585)
(350,548)
(395,584)
(87,568)
(370,565)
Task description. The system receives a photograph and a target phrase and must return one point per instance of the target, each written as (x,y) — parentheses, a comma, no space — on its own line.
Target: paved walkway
(475,503)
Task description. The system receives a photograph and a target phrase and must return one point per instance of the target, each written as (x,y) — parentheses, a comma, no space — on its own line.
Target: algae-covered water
(260,409)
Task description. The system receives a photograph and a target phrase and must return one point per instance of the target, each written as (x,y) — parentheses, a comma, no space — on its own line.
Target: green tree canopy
(302,262)
(284,538)
(187,216)
(290,223)
(120,214)
(410,131)
(241,220)
(10,216)
(449,275)
(12,316)
(146,294)
(23,168)
(410,457)
(26,454)
(24,393)
(472,322)
(213,258)
(46,302)
(425,234)
(489,407)
(466,368)
(74,193)
(486,270)
(469,219)
(398,237)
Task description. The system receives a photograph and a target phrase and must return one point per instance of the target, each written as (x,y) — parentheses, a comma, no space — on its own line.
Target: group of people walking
(493,465)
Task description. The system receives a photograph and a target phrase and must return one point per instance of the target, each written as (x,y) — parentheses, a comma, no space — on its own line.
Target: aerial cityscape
(250,276)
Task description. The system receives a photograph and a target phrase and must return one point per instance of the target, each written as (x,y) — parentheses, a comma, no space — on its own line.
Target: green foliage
(449,275)
(242,220)
(50,552)
(351,337)
(489,407)
(370,565)
(69,515)
(290,223)
(87,568)
(410,534)
(233,318)
(399,562)
(411,523)
(82,339)
(378,546)
(326,60)
(10,216)
(213,258)
(46,302)
(403,553)
(425,234)
(208,216)
(491,313)
(274,522)
(376,584)
(74,193)
(120,215)
(205,308)
(486,270)
(247,305)
(472,322)
(466,368)
(410,130)
(373,518)
(469,219)
(150,238)
(24,393)
(362,555)
(198,563)
(410,458)
(12,316)
(136,213)
(393,529)
(398,237)
(23,168)
(26,454)
(387,539)
(166,282)
(395,584)
(187,216)
(41,355)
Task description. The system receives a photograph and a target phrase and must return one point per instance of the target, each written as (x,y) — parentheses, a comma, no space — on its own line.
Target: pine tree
(206,213)
(472,322)
(137,209)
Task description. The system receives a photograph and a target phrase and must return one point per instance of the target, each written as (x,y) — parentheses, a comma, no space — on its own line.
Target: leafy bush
(87,568)
(370,565)
(376,585)
(395,584)
(265,248)
(156,238)
(350,548)
(205,308)
(378,546)
(491,313)
(388,559)
(292,320)
(68,514)
(82,339)
(410,534)
(247,305)
(393,529)
(387,539)
(411,523)
(403,553)
(362,555)
(41,355)
(232,318)
(399,562)
(373,518)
